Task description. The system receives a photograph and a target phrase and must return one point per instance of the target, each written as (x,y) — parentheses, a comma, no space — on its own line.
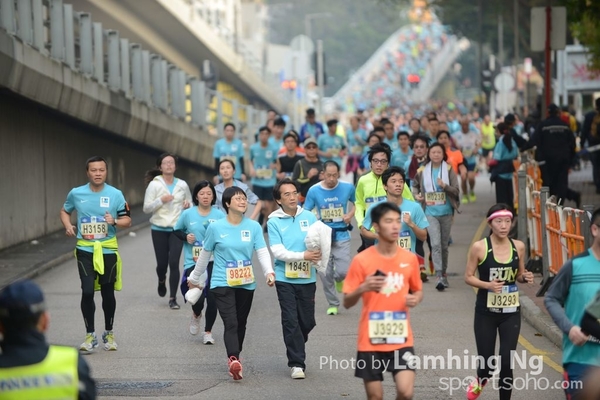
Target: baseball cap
(311,140)
(21,299)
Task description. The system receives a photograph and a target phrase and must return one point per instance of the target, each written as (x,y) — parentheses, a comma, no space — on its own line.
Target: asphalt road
(158,358)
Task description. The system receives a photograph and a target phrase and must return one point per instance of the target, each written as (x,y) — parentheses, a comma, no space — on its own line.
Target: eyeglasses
(380,162)
(240,199)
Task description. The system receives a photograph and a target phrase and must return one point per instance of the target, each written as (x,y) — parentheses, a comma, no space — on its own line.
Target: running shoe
(474,390)
(235,368)
(332,311)
(173,304)
(339,286)
(89,344)
(439,284)
(472,197)
(208,338)
(298,373)
(109,341)
(445,281)
(162,289)
(424,277)
(465,200)
(195,324)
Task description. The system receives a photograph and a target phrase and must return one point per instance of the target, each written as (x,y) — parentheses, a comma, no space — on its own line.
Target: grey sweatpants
(439,235)
(339,262)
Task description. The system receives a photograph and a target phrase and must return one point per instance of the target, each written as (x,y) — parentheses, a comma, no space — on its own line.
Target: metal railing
(74,39)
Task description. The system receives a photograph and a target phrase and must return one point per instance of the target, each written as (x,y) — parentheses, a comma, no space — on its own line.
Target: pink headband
(500,214)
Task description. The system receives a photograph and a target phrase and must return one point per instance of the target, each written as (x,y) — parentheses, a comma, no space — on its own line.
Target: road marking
(522,341)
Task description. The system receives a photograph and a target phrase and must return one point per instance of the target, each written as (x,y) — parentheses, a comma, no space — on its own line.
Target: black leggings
(211,305)
(234,306)
(88,276)
(167,248)
(505,192)
(507,326)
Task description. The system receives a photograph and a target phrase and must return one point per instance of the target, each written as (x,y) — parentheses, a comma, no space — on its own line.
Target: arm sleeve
(151,203)
(281,253)
(217,165)
(188,194)
(87,386)
(242,165)
(557,295)
(264,259)
(199,275)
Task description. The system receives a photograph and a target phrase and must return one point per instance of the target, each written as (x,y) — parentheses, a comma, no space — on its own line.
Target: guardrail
(73,38)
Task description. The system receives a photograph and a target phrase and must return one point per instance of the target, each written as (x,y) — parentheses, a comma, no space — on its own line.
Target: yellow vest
(98,258)
(488,136)
(54,378)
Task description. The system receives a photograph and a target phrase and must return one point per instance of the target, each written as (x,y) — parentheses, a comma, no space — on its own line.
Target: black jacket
(586,130)
(554,141)
(30,347)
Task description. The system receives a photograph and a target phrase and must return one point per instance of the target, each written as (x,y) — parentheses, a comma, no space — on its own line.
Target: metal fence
(73,38)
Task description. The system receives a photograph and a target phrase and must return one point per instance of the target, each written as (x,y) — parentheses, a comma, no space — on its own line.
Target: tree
(584,17)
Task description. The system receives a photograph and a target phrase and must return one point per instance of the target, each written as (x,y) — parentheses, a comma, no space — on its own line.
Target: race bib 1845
(297,269)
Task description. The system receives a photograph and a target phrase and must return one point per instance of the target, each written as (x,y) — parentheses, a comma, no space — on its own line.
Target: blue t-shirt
(291,232)
(262,158)
(276,143)
(407,235)
(393,143)
(232,247)
(437,210)
(356,147)
(501,153)
(91,208)
(191,221)
(331,144)
(311,130)
(399,158)
(233,151)
(331,205)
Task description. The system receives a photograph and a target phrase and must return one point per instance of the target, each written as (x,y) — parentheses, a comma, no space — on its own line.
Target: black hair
(385,121)
(201,185)
(224,161)
(504,130)
(378,129)
(26,321)
(228,194)
(378,211)
(431,119)
(231,124)
(278,185)
(94,159)
(387,174)
(414,119)
(291,135)
(421,137)
(279,122)
(264,128)
(498,207)
(380,148)
(373,135)
(156,171)
(440,133)
(331,162)
(438,144)
(310,111)
(402,133)
(596,216)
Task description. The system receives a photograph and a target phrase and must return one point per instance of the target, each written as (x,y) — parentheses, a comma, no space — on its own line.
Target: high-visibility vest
(54,378)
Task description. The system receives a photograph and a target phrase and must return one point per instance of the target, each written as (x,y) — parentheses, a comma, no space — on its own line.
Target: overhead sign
(573,74)
(558,28)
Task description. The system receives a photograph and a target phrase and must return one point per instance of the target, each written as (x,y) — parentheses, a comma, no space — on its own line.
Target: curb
(541,321)
(47,266)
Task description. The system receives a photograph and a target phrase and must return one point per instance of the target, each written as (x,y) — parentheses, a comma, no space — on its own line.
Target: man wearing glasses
(330,197)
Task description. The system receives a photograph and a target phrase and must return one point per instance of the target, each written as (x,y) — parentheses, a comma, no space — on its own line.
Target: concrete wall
(42,157)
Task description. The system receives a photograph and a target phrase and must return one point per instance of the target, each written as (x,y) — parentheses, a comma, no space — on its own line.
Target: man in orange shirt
(388,280)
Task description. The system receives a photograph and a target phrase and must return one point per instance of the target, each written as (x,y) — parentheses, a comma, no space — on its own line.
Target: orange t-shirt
(384,311)
(455,158)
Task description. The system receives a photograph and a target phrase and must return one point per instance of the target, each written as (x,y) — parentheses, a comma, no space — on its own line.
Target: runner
(357,139)
(436,187)
(295,276)
(191,228)
(276,139)
(497,309)
(419,145)
(488,138)
(330,197)
(388,129)
(364,165)
(232,241)
(311,128)
(101,209)
(403,153)
(331,146)
(455,157)
(287,161)
(227,170)
(263,157)
(468,141)
(166,197)
(229,148)
(502,171)
(308,170)
(386,278)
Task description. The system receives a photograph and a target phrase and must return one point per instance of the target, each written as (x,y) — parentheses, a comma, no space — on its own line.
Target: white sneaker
(298,373)
(195,324)
(208,338)
(91,342)
(109,341)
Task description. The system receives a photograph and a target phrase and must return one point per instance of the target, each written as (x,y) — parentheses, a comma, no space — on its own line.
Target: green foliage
(353,32)
(584,17)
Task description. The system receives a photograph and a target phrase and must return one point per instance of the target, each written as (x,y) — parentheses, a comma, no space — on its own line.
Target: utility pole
(480,52)
(320,75)
(516,50)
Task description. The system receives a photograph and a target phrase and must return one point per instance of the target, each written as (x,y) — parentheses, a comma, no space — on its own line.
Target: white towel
(428,180)
(318,237)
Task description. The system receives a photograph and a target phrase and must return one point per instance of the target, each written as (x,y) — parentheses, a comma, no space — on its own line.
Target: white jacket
(319,238)
(165,215)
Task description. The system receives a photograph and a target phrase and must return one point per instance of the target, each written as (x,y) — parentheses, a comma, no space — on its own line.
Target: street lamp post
(308,21)
(308,31)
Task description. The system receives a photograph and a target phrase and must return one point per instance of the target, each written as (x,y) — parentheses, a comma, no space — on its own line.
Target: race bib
(388,327)
(196,249)
(93,228)
(357,150)
(334,212)
(435,198)
(404,240)
(467,152)
(335,151)
(507,300)
(297,269)
(372,200)
(239,272)
(264,173)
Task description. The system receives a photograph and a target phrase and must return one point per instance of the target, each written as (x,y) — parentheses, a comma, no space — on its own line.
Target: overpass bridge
(115,79)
